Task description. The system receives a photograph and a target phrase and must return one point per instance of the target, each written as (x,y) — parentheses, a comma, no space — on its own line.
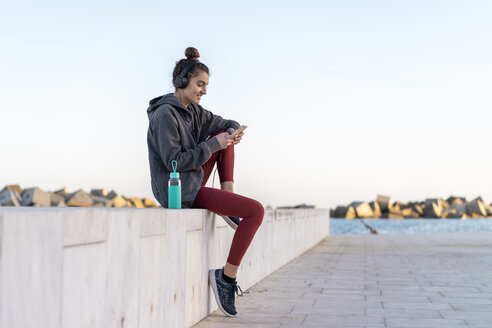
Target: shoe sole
(211,278)
(229,222)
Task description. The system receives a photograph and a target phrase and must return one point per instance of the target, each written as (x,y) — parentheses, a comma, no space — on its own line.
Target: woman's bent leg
(226,203)
(225,164)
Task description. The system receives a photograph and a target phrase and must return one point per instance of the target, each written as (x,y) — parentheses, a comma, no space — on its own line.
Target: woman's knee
(257,212)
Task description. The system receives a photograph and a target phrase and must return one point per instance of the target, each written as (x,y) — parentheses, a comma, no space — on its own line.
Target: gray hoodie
(179,133)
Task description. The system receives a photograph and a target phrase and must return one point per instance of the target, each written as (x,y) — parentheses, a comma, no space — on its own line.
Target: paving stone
(424,323)
(478,323)
(451,289)
(387,288)
(272,308)
(334,297)
(472,307)
(260,301)
(466,295)
(466,315)
(397,298)
(377,281)
(352,291)
(329,310)
(239,325)
(345,286)
(406,313)
(406,293)
(263,318)
(341,320)
(334,303)
(459,300)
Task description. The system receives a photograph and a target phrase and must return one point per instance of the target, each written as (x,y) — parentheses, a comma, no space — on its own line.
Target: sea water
(408,226)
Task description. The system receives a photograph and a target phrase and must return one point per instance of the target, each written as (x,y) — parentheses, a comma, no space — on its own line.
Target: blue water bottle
(174,188)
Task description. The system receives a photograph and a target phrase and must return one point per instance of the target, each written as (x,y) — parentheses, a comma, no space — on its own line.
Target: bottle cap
(174,174)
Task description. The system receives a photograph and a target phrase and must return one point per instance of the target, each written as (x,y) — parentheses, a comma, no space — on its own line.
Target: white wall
(88,267)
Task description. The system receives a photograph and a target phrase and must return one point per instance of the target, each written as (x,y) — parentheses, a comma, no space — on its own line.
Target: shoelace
(236,288)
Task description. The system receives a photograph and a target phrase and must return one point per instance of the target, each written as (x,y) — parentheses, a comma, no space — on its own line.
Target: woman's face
(196,88)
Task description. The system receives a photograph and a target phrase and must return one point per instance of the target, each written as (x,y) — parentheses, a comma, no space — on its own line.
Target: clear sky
(344,99)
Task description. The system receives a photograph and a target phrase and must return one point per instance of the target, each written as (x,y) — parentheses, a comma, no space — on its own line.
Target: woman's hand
(237,138)
(225,139)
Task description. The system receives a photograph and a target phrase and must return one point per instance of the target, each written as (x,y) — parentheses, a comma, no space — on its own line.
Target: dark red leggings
(230,204)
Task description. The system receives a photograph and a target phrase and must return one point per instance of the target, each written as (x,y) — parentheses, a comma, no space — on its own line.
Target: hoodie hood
(163,100)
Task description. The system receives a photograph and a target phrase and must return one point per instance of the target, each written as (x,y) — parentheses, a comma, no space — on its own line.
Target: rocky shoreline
(431,208)
(14,195)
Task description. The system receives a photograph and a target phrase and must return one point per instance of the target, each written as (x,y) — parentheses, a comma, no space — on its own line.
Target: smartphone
(241,129)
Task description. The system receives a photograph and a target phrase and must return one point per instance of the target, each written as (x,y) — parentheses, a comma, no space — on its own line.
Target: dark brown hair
(191,54)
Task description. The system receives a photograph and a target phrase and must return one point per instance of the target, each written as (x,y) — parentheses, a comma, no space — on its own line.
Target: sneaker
(224,292)
(231,221)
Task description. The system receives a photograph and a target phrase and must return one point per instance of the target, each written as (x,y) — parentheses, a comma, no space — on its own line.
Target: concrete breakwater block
(476,207)
(410,213)
(375,209)
(458,207)
(79,198)
(433,208)
(137,202)
(417,208)
(102,201)
(384,202)
(35,197)
(362,209)
(488,209)
(112,194)
(13,195)
(15,187)
(119,201)
(383,207)
(56,199)
(398,206)
(479,198)
(148,202)
(456,211)
(395,215)
(64,192)
(60,204)
(9,198)
(452,200)
(99,192)
(347,212)
(448,212)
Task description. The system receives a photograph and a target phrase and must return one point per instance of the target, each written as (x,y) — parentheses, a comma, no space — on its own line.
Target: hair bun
(192,53)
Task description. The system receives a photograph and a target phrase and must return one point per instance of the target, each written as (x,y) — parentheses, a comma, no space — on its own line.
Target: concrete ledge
(88,267)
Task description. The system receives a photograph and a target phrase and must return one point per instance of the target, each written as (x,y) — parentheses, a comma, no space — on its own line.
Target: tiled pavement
(434,280)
